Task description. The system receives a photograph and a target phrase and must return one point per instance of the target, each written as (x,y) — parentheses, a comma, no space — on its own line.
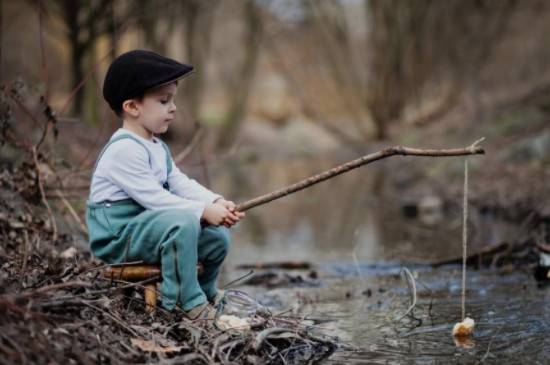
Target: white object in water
(464,328)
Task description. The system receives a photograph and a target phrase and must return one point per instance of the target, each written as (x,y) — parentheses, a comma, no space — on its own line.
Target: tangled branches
(77,314)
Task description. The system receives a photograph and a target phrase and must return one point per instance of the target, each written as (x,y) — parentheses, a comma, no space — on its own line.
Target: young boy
(141,207)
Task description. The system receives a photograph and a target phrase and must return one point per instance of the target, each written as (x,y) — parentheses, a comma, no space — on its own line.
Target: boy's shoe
(217,298)
(202,311)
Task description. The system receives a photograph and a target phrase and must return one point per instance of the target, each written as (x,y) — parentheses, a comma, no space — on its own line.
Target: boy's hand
(235,215)
(221,212)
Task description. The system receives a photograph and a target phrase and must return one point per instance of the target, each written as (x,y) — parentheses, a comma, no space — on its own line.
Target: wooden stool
(134,273)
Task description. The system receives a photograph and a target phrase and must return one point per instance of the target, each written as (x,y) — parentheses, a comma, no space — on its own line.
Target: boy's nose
(173,107)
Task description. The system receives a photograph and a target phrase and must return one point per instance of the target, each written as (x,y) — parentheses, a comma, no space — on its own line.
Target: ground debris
(90,320)
(57,307)
(273,279)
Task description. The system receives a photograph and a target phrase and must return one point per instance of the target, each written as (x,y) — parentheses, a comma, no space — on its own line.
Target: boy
(141,207)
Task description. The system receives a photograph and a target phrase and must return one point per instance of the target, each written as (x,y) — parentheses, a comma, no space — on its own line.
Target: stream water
(512,315)
(357,239)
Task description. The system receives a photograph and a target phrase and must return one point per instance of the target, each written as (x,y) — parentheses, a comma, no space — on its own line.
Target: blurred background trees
(422,47)
(340,73)
(351,67)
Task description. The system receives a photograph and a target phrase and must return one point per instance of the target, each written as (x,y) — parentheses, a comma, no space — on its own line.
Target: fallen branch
(270,331)
(25,257)
(71,210)
(284,265)
(43,194)
(45,289)
(404,151)
(413,294)
(472,257)
(114,317)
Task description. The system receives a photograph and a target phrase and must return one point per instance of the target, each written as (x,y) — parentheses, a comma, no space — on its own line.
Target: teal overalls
(124,231)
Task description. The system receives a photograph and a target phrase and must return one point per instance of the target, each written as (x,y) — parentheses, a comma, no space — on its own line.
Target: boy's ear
(130,106)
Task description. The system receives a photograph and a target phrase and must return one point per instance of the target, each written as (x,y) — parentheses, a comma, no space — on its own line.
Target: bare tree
(322,57)
(199,28)
(85,21)
(415,44)
(239,86)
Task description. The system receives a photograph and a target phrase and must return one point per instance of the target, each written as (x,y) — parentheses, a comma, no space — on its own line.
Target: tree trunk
(71,10)
(240,91)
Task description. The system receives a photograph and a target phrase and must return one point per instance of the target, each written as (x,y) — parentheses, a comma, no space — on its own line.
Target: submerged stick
(270,331)
(413,294)
(404,151)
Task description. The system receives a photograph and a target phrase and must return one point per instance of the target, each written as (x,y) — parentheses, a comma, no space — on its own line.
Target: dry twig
(413,293)
(43,195)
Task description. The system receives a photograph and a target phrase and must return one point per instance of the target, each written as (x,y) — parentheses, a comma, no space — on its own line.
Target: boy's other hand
(220,213)
(234,217)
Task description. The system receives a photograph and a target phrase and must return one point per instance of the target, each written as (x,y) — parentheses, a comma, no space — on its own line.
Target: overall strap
(168,159)
(123,136)
(168,165)
(117,138)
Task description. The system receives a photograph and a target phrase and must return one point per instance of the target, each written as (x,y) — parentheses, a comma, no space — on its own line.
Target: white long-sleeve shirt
(124,171)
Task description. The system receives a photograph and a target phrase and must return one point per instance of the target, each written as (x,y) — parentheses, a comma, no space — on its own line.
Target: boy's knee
(225,237)
(181,220)
(222,236)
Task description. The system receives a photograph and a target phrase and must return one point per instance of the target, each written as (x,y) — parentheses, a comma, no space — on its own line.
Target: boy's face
(156,110)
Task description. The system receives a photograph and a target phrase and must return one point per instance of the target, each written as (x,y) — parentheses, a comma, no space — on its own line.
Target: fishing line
(464,236)
(465,229)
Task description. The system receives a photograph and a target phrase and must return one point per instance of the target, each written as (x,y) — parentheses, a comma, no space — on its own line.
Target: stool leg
(151,298)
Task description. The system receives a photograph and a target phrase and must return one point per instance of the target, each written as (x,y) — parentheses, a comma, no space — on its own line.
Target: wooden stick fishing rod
(392,151)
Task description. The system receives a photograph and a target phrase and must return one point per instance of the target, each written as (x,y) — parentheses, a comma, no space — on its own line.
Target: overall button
(108,205)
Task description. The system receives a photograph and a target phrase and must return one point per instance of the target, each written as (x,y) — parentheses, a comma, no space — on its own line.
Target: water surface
(358,233)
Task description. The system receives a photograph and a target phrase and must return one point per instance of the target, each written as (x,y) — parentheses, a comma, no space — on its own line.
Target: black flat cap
(134,72)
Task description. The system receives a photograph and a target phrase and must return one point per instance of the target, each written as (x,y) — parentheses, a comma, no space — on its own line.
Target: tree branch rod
(391,151)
